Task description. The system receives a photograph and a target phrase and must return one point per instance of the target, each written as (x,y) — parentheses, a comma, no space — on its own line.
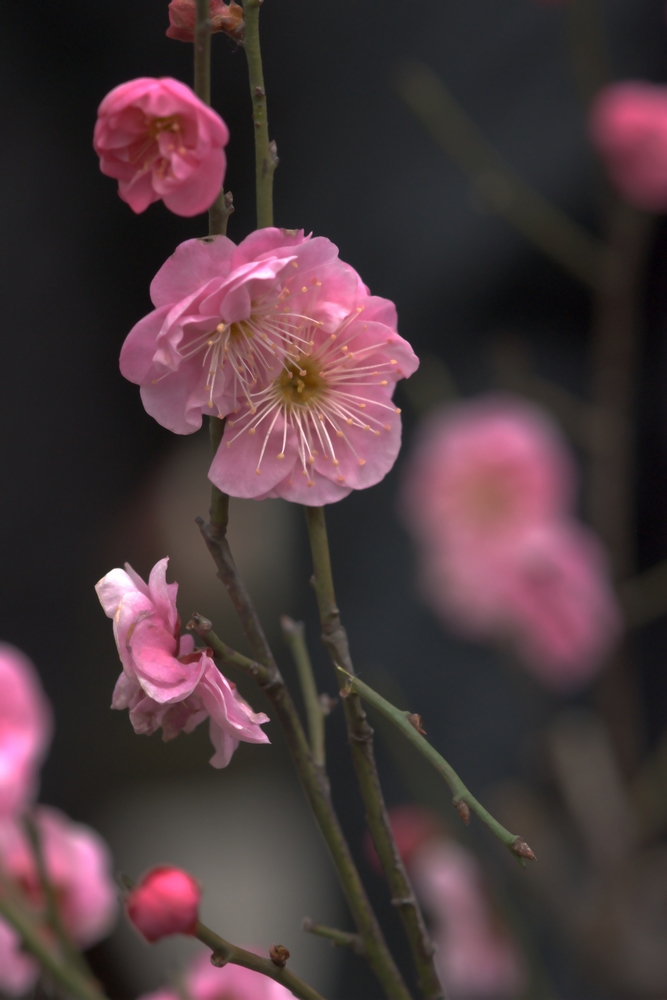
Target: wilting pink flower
(25,729)
(628,126)
(166,682)
(203,981)
(165,901)
(183,15)
(161,142)
(483,471)
(279,332)
(486,496)
(79,869)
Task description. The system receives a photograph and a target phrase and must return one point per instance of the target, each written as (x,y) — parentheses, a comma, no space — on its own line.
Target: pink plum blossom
(165,682)
(628,125)
(79,868)
(161,142)
(284,337)
(164,902)
(203,981)
(25,730)
(19,972)
(482,471)
(487,497)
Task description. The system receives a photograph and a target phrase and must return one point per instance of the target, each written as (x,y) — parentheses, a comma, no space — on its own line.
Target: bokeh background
(89,480)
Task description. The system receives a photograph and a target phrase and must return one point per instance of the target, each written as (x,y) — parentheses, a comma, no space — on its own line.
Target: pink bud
(166,901)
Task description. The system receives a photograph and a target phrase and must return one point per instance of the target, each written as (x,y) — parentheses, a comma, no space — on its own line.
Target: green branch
(409,724)
(266,159)
(293,633)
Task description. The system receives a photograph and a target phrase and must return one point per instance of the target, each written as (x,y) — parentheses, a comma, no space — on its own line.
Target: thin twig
(405,722)
(294,635)
(360,736)
(533,215)
(225,953)
(341,939)
(313,779)
(266,159)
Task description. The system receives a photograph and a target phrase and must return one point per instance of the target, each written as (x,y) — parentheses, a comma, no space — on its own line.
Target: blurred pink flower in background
(628,126)
(159,141)
(281,331)
(182,17)
(164,902)
(487,496)
(79,868)
(25,729)
(203,981)
(165,681)
(476,956)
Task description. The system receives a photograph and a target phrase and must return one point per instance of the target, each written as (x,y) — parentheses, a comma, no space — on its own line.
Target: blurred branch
(492,179)
(341,939)
(293,633)
(38,944)
(224,953)
(313,779)
(67,947)
(360,737)
(644,597)
(648,793)
(410,725)
(589,52)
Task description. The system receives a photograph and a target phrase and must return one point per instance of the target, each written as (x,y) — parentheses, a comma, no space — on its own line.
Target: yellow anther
(252,430)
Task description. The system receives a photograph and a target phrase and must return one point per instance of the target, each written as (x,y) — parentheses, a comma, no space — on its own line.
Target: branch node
(415,720)
(279,954)
(462,809)
(522,850)
(219,959)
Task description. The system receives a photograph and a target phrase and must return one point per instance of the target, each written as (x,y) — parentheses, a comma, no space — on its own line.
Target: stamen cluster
(284,340)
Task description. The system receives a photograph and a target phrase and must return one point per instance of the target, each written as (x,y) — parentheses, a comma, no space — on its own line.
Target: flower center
(172,123)
(300,382)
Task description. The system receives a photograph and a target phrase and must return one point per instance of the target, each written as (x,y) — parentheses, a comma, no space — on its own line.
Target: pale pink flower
(79,869)
(165,681)
(161,142)
(203,981)
(628,126)
(281,331)
(18,971)
(222,17)
(164,902)
(483,471)
(25,729)
(475,955)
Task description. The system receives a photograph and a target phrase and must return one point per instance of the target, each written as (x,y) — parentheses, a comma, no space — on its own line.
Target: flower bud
(166,901)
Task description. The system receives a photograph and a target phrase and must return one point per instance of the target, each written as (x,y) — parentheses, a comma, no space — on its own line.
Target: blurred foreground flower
(79,869)
(165,901)
(486,497)
(25,730)
(165,681)
(629,128)
(182,16)
(282,331)
(476,957)
(161,142)
(203,981)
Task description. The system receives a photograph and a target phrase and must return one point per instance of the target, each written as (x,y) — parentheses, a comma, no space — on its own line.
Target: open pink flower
(164,902)
(166,683)
(483,471)
(79,868)
(628,126)
(25,730)
(203,981)
(161,142)
(281,331)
